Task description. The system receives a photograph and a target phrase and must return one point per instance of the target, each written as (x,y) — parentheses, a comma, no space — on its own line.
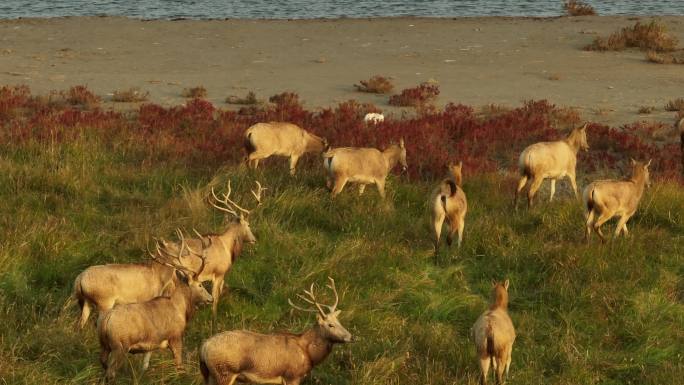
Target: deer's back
(549,159)
(616,195)
(278,137)
(122,283)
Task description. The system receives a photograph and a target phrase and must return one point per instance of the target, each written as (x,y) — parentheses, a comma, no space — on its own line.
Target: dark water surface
(299,9)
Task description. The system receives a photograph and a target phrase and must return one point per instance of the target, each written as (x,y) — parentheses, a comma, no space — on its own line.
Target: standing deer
(493,334)
(605,199)
(155,324)
(103,286)
(277,138)
(552,160)
(221,250)
(281,358)
(449,202)
(362,165)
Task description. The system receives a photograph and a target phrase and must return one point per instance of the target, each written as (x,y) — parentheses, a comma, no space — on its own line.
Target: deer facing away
(606,199)
(493,334)
(155,324)
(281,358)
(263,140)
(448,202)
(362,165)
(550,160)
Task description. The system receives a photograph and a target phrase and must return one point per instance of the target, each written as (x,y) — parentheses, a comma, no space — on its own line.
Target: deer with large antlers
(221,250)
(281,358)
(155,324)
(101,287)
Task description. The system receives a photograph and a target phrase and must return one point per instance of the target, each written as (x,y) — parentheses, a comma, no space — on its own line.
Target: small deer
(373,118)
(493,334)
(281,358)
(605,199)
(220,250)
(449,202)
(362,165)
(552,160)
(277,138)
(103,286)
(155,324)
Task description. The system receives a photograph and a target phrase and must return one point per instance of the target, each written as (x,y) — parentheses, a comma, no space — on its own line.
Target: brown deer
(281,358)
(449,202)
(220,250)
(277,138)
(493,334)
(552,160)
(155,324)
(605,199)
(362,165)
(103,286)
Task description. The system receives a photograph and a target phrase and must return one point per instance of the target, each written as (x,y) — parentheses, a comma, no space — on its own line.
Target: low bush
(417,96)
(651,36)
(578,8)
(194,92)
(376,85)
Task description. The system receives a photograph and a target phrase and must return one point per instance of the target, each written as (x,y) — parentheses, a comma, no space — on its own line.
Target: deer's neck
(164,274)
(500,302)
(573,140)
(182,301)
(458,179)
(230,242)
(391,155)
(639,181)
(316,346)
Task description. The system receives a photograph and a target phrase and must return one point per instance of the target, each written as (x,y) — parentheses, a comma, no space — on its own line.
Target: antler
(312,300)
(230,206)
(163,255)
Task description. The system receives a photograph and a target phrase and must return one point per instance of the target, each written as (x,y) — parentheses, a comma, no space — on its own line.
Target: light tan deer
(493,334)
(606,199)
(449,202)
(277,138)
(155,324)
(103,286)
(220,250)
(362,165)
(552,160)
(281,358)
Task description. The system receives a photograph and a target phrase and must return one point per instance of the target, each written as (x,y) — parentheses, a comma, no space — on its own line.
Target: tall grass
(585,313)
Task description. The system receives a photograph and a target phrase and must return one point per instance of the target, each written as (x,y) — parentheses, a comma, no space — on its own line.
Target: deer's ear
(649,163)
(584,127)
(493,283)
(506,283)
(320,319)
(401,143)
(460,164)
(632,161)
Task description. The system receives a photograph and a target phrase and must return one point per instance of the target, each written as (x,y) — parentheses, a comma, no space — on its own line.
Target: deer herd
(143,307)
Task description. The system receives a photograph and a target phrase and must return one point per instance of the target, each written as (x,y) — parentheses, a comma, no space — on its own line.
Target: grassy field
(584,313)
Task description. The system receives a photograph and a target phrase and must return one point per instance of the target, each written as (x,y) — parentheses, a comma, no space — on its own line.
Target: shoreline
(476,60)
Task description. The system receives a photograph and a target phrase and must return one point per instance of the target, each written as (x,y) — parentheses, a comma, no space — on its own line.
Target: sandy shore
(475,60)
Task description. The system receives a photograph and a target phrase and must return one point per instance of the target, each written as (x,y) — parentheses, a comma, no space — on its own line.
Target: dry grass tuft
(578,8)
(376,85)
(651,36)
(665,58)
(195,92)
(416,97)
(249,99)
(675,105)
(554,77)
(130,95)
(644,110)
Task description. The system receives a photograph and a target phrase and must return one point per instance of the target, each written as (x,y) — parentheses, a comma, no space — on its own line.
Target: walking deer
(281,358)
(552,160)
(221,250)
(277,138)
(493,334)
(155,324)
(606,199)
(103,286)
(362,165)
(449,203)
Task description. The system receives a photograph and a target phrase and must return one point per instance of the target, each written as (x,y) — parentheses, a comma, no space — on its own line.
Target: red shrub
(416,96)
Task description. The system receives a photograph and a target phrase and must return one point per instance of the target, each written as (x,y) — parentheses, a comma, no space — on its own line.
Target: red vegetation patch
(415,97)
(578,8)
(376,85)
(199,134)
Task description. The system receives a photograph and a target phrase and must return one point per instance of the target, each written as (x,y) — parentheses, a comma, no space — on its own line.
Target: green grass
(585,314)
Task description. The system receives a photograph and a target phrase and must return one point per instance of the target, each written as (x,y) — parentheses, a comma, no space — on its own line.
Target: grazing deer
(605,199)
(155,324)
(449,202)
(103,286)
(552,160)
(277,138)
(493,334)
(220,250)
(362,165)
(281,358)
